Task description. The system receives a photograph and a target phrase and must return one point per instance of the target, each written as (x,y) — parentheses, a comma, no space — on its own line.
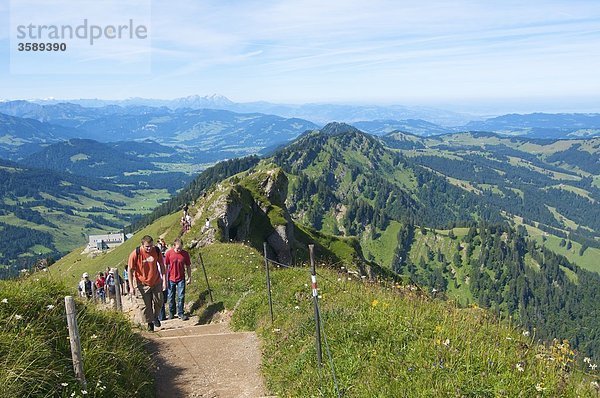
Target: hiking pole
(315,293)
(118,301)
(205,276)
(268,281)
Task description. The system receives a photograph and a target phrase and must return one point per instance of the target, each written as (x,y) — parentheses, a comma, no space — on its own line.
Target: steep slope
(344,180)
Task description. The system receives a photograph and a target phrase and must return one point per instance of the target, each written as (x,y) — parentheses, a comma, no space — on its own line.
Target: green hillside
(381,337)
(44,213)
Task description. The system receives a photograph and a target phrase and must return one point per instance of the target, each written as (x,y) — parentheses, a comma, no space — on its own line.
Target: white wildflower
(526,333)
(83,392)
(93,337)
(339,279)
(587,360)
(50,307)
(593,366)
(447,342)
(18,317)
(5,301)
(64,384)
(520,367)
(297,307)
(349,278)
(595,385)
(539,387)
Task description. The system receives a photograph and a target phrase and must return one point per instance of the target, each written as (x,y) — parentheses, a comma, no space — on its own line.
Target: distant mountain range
(319,113)
(213,122)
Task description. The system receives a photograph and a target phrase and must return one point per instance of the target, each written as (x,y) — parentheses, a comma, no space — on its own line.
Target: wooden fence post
(74,339)
(315,294)
(268,282)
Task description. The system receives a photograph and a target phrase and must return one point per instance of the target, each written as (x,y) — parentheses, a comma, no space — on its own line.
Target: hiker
(178,262)
(144,276)
(85,286)
(127,289)
(185,209)
(100,282)
(111,280)
(162,245)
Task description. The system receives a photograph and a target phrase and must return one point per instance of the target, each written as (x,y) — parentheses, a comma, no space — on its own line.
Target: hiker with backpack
(144,263)
(100,283)
(85,286)
(178,262)
(111,280)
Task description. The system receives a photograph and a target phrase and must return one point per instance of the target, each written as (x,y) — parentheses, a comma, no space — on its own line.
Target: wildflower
(595,385)
(447,342)
(93,337)
(50,307)
(587,360)
(349,278)
(526,333)
(18,317)
(509,338)
(520,367)
(339,279)
(64,384)
(539,387)
(83,392)
(72,394)
(276,330)
(374,303)
(297,307)
(5,301)
(593,366)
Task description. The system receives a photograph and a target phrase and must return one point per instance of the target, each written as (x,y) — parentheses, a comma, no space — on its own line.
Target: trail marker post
(315,294)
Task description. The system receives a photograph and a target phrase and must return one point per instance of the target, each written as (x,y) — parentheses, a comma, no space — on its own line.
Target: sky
(460,55)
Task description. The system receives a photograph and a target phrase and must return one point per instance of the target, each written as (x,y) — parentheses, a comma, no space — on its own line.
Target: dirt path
(203,360)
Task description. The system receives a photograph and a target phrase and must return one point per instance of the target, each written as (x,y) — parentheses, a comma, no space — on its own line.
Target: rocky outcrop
(249,208)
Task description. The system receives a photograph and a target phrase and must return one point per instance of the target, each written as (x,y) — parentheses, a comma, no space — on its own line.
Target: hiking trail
(207,361)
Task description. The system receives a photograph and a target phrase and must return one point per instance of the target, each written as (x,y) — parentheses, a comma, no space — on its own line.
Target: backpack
(137,252)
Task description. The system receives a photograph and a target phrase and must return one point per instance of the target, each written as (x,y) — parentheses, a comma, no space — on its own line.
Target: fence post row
(118,300)
(74,340)
(315,294)
(205,276)
(268,281)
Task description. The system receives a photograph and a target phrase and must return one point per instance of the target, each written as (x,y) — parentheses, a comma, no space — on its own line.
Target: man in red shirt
(144,275)
(178,262)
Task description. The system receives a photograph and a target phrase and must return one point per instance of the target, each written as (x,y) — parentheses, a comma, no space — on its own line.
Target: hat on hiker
(85,275)
(111,272)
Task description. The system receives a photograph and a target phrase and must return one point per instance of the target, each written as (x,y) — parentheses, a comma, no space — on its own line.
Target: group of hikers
(186,219)
(155,274)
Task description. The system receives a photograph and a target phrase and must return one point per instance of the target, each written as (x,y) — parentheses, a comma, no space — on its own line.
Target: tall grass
(35,356)
(385,340)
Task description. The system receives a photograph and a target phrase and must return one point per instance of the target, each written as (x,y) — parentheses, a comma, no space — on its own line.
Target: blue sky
(531,55)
